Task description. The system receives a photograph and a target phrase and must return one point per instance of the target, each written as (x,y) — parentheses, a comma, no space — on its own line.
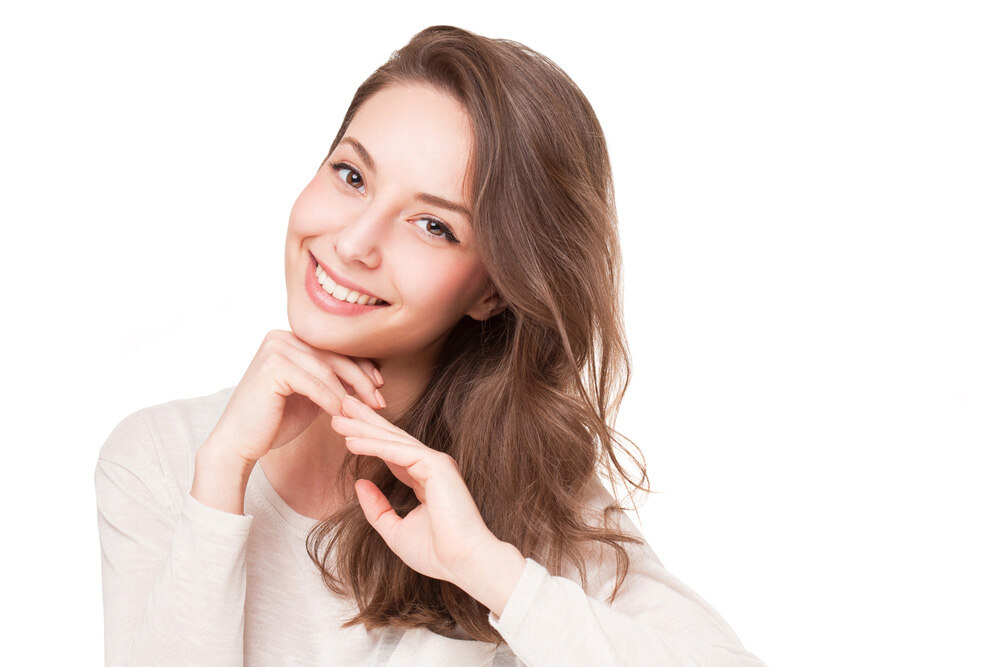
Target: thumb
(377,509)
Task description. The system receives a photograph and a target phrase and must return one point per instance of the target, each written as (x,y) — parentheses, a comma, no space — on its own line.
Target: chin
(325,335)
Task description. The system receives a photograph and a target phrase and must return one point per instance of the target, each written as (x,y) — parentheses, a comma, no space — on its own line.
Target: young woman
(411,475)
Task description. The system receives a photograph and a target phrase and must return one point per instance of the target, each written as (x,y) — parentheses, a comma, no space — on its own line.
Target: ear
(487,306)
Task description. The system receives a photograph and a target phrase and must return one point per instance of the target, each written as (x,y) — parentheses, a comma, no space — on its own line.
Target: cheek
(442,286)
(311,210)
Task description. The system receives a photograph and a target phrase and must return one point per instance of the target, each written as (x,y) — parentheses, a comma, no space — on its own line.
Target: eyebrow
(433,200)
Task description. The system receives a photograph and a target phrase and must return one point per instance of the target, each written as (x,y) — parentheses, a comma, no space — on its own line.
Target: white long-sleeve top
(188,584)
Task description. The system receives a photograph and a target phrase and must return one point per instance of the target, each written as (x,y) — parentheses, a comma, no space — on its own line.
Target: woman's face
(376,215)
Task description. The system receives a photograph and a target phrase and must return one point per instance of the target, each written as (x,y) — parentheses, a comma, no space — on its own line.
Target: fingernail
(381,398)
(378,377)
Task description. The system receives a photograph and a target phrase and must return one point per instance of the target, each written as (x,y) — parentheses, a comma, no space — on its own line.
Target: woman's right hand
(282,391)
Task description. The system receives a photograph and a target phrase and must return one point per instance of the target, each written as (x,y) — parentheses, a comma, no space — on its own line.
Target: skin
(367,227)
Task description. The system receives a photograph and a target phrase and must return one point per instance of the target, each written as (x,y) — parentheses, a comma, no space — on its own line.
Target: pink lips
(340,280)
(327,302)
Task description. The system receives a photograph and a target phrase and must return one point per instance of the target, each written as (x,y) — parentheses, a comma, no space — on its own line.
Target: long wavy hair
(524,401)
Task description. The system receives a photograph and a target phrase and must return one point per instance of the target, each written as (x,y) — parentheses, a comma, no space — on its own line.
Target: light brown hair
(524,401)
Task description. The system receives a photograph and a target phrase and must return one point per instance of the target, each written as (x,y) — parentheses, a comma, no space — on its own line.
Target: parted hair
(524,401)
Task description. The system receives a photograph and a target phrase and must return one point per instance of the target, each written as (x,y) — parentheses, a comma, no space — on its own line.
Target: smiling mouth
(342,293)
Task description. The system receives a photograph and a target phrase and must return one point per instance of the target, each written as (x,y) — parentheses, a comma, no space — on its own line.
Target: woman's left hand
(442,536)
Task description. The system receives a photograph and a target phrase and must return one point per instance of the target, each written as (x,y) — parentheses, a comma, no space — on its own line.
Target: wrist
(220,479)
(490,577)
(222,458)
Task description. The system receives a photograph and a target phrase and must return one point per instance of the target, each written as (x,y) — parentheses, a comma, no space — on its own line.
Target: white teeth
(342,293)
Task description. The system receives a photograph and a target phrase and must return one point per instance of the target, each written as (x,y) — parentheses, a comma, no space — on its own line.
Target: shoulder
(600,505)
(603,509)
(648,587)
(157,443)
(180,421)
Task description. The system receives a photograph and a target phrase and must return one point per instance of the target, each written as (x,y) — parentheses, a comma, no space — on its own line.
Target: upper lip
(340,280)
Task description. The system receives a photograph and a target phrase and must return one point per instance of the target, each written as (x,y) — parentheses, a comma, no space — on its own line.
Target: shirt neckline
(299,522)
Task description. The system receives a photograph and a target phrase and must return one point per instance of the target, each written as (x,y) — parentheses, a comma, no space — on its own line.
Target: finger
(399,471)
(348,369)
(352,428)
(359,410)
(331,376)
(417,460)
(369,367)
(327,356)
(378,511)
(288,378)
(357,372)
(349,426)
(401,474)
(311,365)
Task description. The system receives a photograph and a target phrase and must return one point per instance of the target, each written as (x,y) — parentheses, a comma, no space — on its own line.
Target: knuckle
(276,342)
(276,337)
(327,374)
(274,361)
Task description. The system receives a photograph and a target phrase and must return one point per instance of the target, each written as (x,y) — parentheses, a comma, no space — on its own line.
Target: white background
(808,200)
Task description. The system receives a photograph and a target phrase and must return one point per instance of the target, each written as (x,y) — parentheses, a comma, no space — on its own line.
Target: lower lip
(323,299)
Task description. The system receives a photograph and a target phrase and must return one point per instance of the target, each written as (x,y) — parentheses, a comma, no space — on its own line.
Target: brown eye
(438,229)
(353,178)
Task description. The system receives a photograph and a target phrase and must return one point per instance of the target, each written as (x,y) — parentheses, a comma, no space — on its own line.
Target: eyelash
(337,166)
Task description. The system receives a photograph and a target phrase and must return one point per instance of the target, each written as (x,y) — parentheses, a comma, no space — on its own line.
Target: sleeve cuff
(216,520)
(521,598)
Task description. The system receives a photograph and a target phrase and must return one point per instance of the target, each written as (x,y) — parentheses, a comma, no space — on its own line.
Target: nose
(361,239)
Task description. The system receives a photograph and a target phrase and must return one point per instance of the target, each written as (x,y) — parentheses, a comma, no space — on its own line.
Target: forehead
(418,136)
